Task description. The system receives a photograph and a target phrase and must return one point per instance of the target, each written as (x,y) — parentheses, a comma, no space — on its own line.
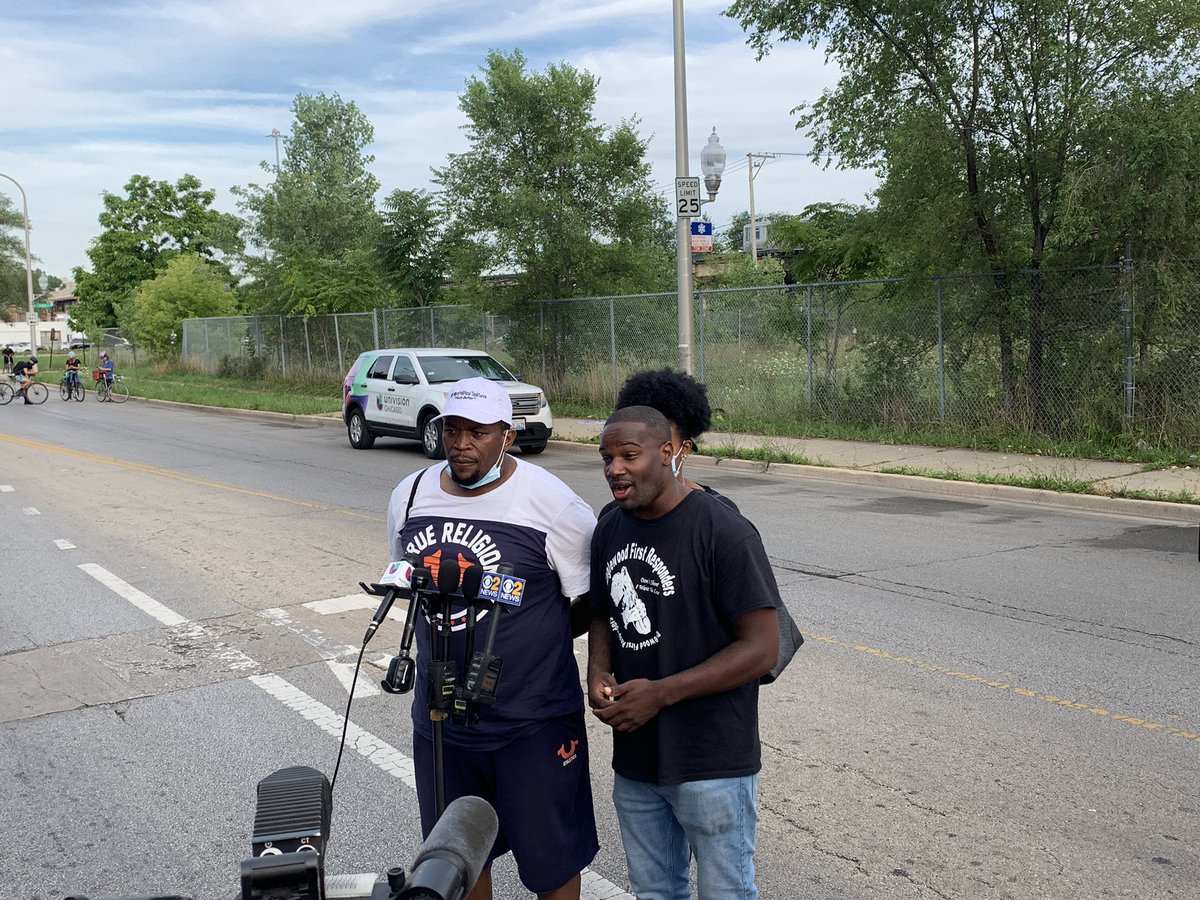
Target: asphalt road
(994,699)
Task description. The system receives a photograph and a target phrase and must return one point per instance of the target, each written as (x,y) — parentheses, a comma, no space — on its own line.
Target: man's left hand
(635,703)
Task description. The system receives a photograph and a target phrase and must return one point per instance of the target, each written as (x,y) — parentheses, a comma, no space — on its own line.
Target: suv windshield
(442,369)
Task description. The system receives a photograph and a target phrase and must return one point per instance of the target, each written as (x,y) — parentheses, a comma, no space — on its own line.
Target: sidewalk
(876,463)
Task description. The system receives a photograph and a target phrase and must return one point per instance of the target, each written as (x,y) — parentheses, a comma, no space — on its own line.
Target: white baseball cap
(478,400)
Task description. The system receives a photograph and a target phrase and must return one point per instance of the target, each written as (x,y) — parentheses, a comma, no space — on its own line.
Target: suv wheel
(356,429)
(531,449)
(431,438)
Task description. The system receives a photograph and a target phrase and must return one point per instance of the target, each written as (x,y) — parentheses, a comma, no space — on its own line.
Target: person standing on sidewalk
(8,357)
(684,625)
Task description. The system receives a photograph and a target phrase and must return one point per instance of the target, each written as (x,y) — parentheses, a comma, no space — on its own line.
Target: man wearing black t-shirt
(684,624)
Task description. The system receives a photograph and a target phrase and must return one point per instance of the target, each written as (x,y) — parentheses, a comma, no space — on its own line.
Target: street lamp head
(712,164)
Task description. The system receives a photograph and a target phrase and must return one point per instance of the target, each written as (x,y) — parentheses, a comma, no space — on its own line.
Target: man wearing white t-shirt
(527,753)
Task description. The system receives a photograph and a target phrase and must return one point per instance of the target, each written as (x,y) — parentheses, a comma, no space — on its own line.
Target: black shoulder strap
(413,494)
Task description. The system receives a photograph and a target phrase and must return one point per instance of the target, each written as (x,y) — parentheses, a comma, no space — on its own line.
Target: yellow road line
(1005,686)
(177,476)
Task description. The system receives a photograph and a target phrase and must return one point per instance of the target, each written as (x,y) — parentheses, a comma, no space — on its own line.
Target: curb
(1186,513)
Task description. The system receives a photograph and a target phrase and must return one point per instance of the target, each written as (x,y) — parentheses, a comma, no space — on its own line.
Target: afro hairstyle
(679,397)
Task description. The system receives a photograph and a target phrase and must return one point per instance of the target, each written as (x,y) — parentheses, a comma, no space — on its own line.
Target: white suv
(398,392)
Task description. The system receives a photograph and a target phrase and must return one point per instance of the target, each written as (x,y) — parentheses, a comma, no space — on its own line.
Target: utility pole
(33,341)
(753,173)
(275,134)
(683,248)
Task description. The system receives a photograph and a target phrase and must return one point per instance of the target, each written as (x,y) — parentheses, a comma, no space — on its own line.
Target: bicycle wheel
(101,390)
(64,390)
(6,392)
(119,392)
(37,392)
(79,391)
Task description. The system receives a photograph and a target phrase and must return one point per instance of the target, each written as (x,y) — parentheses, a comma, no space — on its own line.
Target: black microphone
(398,575)
(472,579)
(452,857)
(402,670)
(449,576)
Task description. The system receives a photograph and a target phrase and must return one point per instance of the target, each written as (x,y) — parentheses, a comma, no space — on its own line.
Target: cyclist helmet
(104,355)
(33,359)
(71,355)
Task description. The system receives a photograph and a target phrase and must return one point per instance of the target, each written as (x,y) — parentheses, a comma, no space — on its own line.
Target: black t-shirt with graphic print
(671,589)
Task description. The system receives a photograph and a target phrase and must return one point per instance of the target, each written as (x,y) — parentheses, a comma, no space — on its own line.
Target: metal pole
(542,336)
(808,341)
(753,222)
(375,326)
(612,344)
(33,342)
(683,248)
(484,332)
(1127,332)
(432,332)
(282,348)
(307,345)
(337,339)
(941,359)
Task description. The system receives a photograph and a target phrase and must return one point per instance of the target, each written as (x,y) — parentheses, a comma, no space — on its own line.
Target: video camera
(291,830)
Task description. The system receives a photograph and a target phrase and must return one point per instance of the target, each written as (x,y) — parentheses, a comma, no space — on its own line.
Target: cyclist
(8,357)
(24,373)
(107,369)
(74,364)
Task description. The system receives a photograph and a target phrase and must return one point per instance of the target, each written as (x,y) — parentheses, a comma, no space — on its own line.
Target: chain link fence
(1079,354)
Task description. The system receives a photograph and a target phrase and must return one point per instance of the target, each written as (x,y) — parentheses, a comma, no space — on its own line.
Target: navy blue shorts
(541,788)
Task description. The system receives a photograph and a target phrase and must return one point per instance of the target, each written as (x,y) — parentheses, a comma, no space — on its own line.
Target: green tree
(546,193)
(13,297)
(975,116)
(410,251)
(829,242)
(318,210)
(187,287)
(143,230)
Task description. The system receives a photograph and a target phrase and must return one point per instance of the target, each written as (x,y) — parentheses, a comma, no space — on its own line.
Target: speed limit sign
(687,197)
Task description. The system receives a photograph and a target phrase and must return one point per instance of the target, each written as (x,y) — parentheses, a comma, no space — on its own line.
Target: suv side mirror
(406,379)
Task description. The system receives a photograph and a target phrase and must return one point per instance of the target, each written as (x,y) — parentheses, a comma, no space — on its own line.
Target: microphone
(472,579)
(396,580)
(449,576)
(452,857)
(402,670)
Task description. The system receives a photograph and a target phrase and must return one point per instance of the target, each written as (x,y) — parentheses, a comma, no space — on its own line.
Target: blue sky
(98,90)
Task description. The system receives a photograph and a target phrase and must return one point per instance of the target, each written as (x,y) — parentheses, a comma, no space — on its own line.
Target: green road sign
(43,306)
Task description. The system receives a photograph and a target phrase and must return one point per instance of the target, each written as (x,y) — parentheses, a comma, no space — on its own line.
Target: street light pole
(275,134)
(33,344)
(683,240)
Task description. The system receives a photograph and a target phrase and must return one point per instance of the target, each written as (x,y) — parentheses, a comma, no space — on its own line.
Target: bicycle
(115,391)
(37,392)
(71,386)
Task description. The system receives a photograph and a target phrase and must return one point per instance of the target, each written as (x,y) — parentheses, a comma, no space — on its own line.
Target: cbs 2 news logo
(502,588)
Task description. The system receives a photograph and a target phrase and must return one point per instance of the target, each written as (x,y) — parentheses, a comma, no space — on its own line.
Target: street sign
(31,318)
(702,237)
(687,197)
(43,306)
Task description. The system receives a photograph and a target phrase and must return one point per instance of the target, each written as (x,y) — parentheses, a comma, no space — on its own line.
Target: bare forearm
(749,657)
(599,648)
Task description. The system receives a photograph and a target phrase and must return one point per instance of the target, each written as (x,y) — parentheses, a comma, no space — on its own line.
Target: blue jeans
(662,826)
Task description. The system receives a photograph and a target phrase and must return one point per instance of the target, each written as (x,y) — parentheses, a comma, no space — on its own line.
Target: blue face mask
(492,474)
(675,463)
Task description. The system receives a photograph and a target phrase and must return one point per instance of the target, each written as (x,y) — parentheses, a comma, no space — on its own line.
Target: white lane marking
(376,750)
(344,672)
(64,544)
(341,604)
(127,591)
(31,511)
(6,488)
(354,602)
(314,637)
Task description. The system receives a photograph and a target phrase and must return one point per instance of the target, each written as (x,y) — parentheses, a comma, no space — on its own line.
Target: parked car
(398,392)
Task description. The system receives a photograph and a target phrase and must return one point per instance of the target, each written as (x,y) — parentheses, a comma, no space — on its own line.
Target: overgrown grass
(1042,482)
